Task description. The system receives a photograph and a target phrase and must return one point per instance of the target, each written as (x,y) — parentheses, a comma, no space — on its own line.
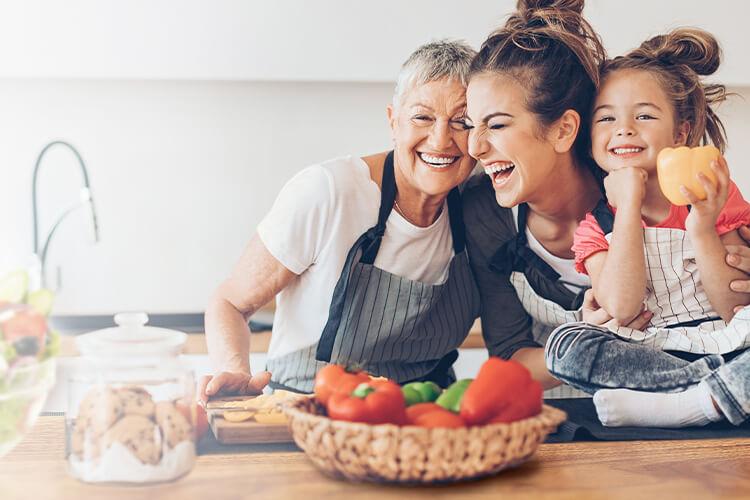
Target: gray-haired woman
(365,255)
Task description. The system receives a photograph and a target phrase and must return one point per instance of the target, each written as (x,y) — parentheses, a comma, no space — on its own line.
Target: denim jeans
(590,358)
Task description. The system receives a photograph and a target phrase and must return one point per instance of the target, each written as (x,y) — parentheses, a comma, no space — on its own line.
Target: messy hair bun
(692,47)
(677,60)
(549,48)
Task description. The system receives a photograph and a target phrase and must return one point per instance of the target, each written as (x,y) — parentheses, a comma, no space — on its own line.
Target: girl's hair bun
(692,47)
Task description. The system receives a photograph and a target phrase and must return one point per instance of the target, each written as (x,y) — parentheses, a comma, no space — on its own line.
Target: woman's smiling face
(431,149)
(633,120)
(507,139)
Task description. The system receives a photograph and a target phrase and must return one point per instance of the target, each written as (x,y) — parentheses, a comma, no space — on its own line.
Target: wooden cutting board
(246,432)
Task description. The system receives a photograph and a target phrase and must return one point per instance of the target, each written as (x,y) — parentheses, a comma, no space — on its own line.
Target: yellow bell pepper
(677,167)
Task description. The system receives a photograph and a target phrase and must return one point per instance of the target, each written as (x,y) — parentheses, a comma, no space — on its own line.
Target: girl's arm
(618,276)
(710,251)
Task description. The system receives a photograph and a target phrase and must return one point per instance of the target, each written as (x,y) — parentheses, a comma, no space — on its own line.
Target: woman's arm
(255,280)
(533,357)
(738,256)
(716,274)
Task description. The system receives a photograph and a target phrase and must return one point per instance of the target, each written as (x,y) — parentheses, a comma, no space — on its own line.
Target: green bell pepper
(451,398)
(420,392)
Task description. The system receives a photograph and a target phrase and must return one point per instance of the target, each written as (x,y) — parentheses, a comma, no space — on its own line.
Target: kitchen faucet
(85,200)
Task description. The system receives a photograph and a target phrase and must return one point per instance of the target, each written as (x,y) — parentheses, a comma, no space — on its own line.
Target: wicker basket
(413,454)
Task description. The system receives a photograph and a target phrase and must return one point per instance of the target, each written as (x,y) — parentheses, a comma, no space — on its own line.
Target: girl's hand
(626,185)
(596,315)
(704,213)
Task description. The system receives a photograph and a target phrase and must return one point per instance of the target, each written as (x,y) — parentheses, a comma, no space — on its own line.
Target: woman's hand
(232,384)
(596,315)
(738,256)
(704,213)
(625,186)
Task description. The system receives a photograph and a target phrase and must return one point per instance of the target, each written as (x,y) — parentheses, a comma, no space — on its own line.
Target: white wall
(319,40)
(181,173)
(182,169)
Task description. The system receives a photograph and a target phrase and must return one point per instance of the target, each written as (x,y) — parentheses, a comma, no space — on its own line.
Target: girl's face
(507,140)
(633,120)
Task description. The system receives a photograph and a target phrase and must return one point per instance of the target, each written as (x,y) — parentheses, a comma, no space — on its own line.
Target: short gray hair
(434,61)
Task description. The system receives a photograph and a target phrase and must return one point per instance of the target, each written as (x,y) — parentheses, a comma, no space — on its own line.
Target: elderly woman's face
(431,141)
(506,139)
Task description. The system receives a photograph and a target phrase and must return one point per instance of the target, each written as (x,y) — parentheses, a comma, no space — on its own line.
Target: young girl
(640,248)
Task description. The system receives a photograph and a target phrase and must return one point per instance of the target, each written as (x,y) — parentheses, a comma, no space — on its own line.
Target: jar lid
(131,338)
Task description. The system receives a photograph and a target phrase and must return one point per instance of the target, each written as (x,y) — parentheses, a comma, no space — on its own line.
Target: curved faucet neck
(38,163)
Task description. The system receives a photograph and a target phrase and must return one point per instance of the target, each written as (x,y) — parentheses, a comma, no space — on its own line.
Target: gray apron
(385,324)
(516,259)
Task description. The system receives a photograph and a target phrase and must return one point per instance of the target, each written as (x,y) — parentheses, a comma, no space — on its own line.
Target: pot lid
(131,338)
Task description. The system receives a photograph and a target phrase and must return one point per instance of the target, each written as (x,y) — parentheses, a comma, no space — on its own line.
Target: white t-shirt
(316,219)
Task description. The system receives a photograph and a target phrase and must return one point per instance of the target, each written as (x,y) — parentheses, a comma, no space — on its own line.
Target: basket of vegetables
(371,429)
(27,347)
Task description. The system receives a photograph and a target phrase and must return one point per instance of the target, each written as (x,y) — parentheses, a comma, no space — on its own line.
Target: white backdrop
(184,162)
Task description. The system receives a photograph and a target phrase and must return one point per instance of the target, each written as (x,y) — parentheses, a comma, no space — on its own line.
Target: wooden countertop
(637,469)
(259,341)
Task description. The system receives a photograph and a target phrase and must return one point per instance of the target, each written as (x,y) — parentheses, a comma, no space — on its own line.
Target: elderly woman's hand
(596,315)
(232,384)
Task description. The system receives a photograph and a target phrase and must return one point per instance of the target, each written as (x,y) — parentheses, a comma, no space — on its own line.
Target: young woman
(529,104)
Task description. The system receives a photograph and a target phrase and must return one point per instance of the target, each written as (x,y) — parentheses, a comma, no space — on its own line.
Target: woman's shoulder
(482,214)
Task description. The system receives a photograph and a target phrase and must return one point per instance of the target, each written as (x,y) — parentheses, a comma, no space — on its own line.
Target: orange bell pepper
(503,390)
(677,167)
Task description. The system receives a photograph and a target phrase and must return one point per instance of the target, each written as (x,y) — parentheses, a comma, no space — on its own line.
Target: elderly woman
(365,255)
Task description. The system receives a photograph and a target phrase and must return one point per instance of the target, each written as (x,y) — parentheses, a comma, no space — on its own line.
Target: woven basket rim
(549,416)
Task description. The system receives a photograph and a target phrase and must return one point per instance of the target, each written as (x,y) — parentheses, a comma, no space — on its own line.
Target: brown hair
(555,54)
(678,60)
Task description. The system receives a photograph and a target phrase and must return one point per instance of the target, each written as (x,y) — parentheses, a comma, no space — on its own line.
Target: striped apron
(388,325)
(517,259)
(684,319)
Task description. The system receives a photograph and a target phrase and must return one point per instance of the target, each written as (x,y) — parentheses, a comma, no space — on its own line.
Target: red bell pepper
(503,390)
(373,402)
(336,378)
(526,404)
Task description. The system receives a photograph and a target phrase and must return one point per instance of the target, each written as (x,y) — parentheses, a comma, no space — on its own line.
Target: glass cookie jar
(131,405)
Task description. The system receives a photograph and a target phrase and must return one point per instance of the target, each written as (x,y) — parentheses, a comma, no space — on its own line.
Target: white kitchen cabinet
(301,40)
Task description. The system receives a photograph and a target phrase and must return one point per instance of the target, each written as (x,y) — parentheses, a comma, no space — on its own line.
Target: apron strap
(604,216)
(456,216)
(369,245)
(515,254)
(387,199)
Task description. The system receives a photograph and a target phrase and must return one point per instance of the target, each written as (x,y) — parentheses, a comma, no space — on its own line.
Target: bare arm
(738,256)
(716,275)
(710,252)
(618,276)
(533,359)
(254,281)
